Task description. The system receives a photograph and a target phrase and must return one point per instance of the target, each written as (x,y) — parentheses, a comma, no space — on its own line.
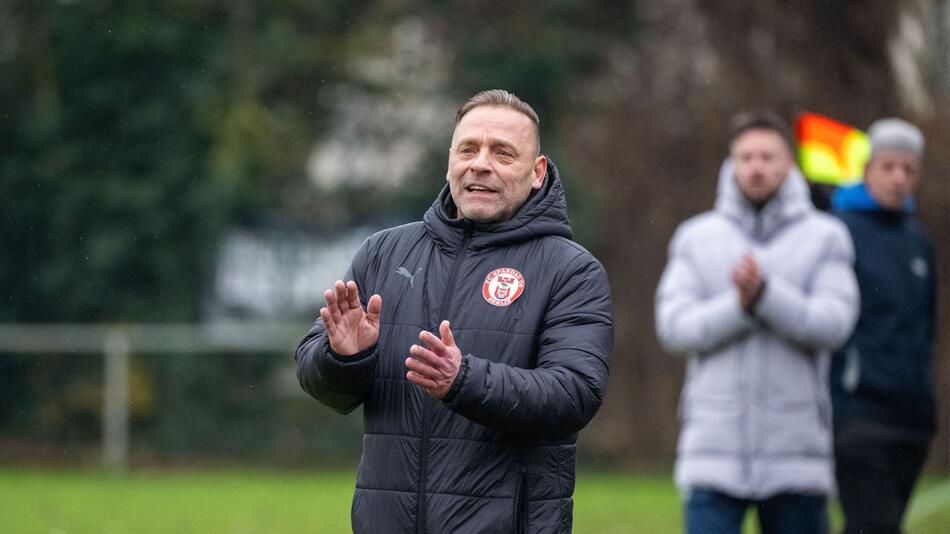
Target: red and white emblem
(503,286)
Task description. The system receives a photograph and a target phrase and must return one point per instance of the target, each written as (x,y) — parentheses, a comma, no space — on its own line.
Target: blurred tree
(108,213)
(138,132)
(134,134)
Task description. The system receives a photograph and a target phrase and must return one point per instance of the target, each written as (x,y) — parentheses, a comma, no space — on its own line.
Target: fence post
(115,406)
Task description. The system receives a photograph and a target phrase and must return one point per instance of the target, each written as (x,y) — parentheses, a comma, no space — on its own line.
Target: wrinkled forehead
(500,123)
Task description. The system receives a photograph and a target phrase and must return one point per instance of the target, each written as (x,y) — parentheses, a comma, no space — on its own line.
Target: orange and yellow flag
(830,152)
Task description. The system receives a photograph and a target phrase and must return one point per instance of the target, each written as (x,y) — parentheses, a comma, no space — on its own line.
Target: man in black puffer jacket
(469,426)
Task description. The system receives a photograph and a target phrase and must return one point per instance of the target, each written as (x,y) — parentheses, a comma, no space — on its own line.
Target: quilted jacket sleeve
(688,321)
(340,382)
(563,392)
(822,317)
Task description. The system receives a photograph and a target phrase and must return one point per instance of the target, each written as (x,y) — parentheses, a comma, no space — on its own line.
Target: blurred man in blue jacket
(881,379)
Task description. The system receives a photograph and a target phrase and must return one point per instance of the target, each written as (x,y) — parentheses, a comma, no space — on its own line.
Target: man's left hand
(435,366)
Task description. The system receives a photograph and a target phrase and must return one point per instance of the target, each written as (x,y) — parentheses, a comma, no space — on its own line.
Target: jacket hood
(790,202)
(858,198)
(544,213)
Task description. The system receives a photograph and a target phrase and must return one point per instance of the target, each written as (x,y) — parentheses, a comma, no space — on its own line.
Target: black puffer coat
(497,454)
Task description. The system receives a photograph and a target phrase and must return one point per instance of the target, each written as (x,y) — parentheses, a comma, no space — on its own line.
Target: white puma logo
(411,276)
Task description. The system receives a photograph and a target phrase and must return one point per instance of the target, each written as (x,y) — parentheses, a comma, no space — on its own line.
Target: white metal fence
(117,342)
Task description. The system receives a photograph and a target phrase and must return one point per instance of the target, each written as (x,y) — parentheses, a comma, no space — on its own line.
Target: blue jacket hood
(857,198)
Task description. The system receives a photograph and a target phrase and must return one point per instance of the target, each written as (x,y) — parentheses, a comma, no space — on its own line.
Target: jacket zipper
(757,227)
(751,370)
(747,375)
(521,501)
(427,402)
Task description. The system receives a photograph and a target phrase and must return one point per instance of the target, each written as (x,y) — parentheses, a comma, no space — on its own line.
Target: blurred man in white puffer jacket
(756,294)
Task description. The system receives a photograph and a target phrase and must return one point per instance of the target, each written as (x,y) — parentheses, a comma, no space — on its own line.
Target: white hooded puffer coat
(755,408)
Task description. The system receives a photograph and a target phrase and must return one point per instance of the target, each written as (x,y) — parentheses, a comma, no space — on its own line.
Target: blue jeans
(712,512)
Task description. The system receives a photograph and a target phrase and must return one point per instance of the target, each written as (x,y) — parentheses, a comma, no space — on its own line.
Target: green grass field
(55,502)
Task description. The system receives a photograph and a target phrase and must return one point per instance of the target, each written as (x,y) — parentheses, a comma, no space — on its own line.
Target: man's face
(891,177)
(493,163)
(762,161)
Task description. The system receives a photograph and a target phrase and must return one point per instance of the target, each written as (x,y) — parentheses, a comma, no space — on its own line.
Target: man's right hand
(350,329)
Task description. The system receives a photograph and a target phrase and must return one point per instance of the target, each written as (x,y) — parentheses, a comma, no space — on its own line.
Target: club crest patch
(503,286)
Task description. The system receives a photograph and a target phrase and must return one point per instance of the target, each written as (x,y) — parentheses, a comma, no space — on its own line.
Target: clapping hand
(349,327)
(435,366)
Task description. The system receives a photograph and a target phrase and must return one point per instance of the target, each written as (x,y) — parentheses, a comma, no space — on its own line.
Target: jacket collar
(857,198)
(790,202)
(544,213)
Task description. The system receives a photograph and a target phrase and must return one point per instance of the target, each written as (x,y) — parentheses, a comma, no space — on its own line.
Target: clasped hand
(748,279)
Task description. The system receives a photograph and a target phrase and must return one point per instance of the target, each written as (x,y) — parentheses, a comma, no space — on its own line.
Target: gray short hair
(896,134)
(500,98)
